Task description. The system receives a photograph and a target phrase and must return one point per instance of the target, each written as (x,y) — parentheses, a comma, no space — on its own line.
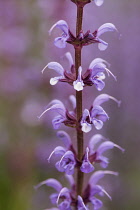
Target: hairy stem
(80,175)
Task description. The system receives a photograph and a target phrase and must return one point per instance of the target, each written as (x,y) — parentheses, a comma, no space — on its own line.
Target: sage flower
(96,115)
(64,116)
(60,42)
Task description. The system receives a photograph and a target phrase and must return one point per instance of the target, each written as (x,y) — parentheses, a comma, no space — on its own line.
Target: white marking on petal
(78,84)
(99,2)
(54,80)
(86,127)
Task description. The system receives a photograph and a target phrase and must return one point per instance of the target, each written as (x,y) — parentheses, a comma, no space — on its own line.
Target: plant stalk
(80,141)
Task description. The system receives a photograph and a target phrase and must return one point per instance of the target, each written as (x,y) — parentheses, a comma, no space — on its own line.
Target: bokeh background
(26,142)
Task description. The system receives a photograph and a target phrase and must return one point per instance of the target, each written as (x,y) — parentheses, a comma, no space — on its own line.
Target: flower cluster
(68,157)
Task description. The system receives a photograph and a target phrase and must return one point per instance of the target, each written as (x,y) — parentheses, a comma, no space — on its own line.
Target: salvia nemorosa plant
(80,160)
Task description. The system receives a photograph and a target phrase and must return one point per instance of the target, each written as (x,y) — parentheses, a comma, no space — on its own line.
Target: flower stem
(80,142)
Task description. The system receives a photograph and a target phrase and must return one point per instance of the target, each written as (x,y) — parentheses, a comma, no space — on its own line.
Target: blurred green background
(26,142)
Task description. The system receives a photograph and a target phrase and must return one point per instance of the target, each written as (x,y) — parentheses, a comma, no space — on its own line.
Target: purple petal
(51,183)
(98,124)
(67,163)
(55,66)
(105,28)
(99,113)
(65,138)
(56,122)
(104,161)
(95,140)
(106,146)
(86,127)
(99,2)
(58,107)
(98,61)
(86,166)
(73,101)
(102,45)
(103,98)
(62,25)
(53,198)
(99,175)
(60,42)
(65,194)
(96,202)
(99,84)
(57,151)
(70,59)
(70,180)
(81,205)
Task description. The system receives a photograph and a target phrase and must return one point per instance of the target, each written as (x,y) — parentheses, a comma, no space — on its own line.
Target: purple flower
(102,29)
(86,166)
(60,42)
(93,189)
(64,116)
(62,197)
(95,73)
(96,155)
(82,39)
(68,76)
(67,162)
(96,115)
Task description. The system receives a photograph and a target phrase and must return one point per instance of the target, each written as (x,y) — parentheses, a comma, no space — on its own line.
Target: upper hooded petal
(55,66)
(95,139)
(65,138)
(51,183)
(96,176)
(73,101)
(57,106)
(105,28)
(57,151)
(106,146)
(103,98)
(66,201)
(62,24)
(98,61)
(70,59)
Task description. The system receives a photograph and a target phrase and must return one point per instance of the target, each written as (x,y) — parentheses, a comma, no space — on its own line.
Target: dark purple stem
(80,141)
